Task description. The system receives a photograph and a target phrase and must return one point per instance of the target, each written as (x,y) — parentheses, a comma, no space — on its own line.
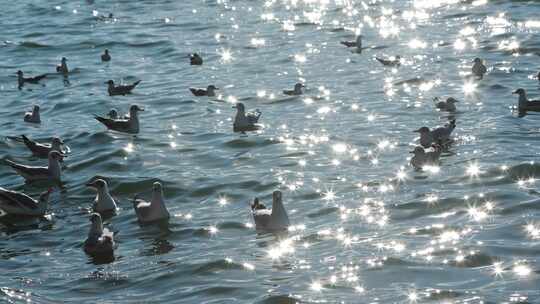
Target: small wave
(215,267)
(279,299)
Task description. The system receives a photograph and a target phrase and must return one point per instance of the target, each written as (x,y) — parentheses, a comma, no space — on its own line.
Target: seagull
(448,105)
(272,219)
(195,59)
(100,240)
(297,90)
(43,150)
(104,202)
(245,121)
(129,125)
(62,67)
(357,43)
(210,91)
(52,172)
(33,116)
(19,204)
(120,89)
(257,205)
(22,80)
(422,158)
(113,114)
(524,104)
(478,68)
(439,135)
(105,57)
(395,61)
(153,211)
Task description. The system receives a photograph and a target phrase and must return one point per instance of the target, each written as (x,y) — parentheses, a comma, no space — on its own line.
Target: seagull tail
(136,83)
(380,60)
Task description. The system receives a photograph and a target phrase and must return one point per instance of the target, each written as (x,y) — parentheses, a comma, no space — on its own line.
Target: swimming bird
(195,59)
(51,173)
(153,211)
(448,105)
(272,219)
(62,67)
(297,90)
(422,158)
(439,135)
(210,91)
(106,56)
(396,61)
(478,68)
(524,104)
(120,89)
(42,150)
(538,76)
(356,43)
(100,241)
(257,205)
(19,204)
(245,121)
(129,125)
(33,116)
(103,203)
(22,80)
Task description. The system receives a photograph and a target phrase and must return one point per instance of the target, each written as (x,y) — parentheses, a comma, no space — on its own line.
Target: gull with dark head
(209,91)
(22,80)
(120,89)
(478,68)
(195,59)
(274,219)
(524,104)
(62,67)
(153,211)
(422,158)
(100,241)
(440,136)
(448,105)
(104,203)
(51,173)
(245,121)
(33,117)
(129,125)
(14,203)
(106,57)
(296,91)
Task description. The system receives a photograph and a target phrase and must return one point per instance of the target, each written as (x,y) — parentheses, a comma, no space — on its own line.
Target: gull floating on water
(422,158)
(297,90)
(478,68)
(33,116)
(14,203)
(105,57)
(120,89)
(396,61)
(356,43)
(100,240)
(439,135)
(271,219)
(245,121)
(129,125)
(448,105)
(153,211)
(195,59)
(51,173)
(210,91)
(62,67)
(524,104)
(103,203)
(22,80)
(42,150)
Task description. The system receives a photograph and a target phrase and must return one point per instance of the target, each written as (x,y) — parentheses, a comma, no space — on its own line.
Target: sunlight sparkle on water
(522,270)
(226,55)
(473,170)
(469,88)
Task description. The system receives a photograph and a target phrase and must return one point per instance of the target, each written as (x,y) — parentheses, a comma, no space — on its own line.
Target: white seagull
(274,219)
(100,240)
(19,204)
(31,173)
(153,211)
(245,121)
(103,203)
(129,125)
(33,116)
(439,135)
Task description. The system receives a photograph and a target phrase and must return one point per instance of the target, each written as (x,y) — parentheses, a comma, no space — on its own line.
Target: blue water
(367,227)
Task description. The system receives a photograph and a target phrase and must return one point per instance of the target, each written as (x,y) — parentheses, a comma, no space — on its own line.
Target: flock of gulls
(16,206)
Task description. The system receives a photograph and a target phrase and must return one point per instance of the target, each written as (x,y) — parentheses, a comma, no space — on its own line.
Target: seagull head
(276,196)
(106,52)
(97,184)
(477,60)
(519,91)
(212,88)
(418,151)
(110,82)
(57,142)
(422,130)
(19,72)
(64,59)
(135,109)
(240,107)
(298,86)
(97,224)
(36,108)
(55,155)
(451,100)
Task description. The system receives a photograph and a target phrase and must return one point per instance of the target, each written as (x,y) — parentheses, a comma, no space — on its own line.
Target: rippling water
(367,228)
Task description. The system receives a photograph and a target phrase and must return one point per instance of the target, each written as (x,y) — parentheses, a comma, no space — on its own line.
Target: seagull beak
(417,131)
(91,184)
(515,92)
(412,152)
(234,107)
